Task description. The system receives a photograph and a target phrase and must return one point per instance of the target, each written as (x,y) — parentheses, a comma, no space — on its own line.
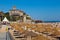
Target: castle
(19,14)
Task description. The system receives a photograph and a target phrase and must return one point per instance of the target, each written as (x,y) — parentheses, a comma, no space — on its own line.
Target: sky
(45,10)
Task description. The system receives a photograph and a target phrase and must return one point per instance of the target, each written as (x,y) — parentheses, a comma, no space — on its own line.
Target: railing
(8,36)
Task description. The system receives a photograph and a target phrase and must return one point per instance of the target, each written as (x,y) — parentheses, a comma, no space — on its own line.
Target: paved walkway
(4,35)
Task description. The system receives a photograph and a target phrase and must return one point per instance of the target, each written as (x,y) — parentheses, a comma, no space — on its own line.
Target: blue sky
(46,10)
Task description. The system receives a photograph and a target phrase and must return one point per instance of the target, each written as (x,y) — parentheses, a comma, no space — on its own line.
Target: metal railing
(8,36)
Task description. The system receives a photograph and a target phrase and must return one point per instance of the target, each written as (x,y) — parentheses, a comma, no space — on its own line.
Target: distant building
(38,21)
(18,13)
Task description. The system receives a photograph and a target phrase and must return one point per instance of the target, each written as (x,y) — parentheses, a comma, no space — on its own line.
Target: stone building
(15,11)
(16,14)
(20,15)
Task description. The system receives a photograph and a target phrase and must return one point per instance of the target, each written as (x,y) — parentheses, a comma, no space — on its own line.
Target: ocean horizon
(51,21)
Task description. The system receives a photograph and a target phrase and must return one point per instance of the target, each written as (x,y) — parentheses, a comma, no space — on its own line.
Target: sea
(51,21)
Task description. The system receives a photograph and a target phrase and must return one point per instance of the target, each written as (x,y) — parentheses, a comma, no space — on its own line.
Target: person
(6,28)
